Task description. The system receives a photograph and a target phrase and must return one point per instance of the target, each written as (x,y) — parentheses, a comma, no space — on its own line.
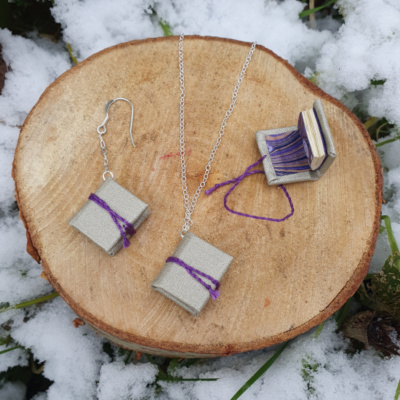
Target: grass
(309,368)
(306,13)
(397,394)
(342,314)
(379,128)
(388,141)
(10,349)
(319,329)
(392,241)
(263,369)
(165,27)
(164,372)
(6,306)
(71,54)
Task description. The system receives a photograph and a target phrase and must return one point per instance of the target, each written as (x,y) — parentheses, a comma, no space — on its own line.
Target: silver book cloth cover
(97,224)
(178,285)
(309,175)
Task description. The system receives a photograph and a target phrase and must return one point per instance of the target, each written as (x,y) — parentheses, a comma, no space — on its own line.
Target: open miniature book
(298,153)
(299,150)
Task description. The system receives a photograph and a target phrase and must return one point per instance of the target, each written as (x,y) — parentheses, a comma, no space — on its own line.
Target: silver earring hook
(101,129)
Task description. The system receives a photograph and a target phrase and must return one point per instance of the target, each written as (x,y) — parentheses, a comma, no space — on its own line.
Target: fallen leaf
(77,322)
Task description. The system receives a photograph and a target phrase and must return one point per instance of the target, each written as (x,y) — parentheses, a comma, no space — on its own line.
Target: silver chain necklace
(190,205)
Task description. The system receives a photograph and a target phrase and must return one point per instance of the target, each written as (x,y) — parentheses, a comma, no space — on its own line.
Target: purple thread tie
(195,274)
(236,182)
(126,229)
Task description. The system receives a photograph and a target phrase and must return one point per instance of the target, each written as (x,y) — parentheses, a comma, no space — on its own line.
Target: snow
(90,26)
(12,358)
(33,65)
(343,58)
(120,381)
(273,24)
(13,391)
(366,47)
(337,374)
(73,357)
(19,274)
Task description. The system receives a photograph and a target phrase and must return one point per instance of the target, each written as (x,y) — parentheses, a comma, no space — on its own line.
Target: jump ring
(105,174)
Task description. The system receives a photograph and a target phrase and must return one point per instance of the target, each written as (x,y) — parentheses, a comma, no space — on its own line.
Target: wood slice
(286,277)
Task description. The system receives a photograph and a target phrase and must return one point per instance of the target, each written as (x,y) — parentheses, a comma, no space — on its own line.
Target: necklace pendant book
(112,214)
(193,273)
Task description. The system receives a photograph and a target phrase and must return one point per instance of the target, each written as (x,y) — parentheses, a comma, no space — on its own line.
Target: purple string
(236,182)
(195,274)
(126,229)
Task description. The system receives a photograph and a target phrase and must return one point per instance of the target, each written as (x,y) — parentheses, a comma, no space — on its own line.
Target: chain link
(102,129)
(103,150)
(190,205)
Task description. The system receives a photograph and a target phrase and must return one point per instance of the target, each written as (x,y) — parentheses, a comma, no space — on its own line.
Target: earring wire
(101,129)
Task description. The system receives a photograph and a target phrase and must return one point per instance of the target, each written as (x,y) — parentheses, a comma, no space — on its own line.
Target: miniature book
(192,275)
(298,153)
(109,230)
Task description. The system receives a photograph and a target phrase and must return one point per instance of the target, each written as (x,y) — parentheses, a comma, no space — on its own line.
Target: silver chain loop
(190,205)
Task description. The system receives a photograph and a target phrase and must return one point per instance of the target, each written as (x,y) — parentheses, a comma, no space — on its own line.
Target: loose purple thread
(126,229)
(236,182)
(195,274)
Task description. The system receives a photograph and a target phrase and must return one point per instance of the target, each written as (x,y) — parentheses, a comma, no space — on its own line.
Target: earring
(112,214)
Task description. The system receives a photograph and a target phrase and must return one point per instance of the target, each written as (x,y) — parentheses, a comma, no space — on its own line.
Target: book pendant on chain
(110,216)
(193,273)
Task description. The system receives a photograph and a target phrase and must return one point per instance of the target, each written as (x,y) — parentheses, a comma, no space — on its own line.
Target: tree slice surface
(286,277)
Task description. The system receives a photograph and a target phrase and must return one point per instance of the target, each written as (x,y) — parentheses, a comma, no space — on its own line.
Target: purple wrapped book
(298,153)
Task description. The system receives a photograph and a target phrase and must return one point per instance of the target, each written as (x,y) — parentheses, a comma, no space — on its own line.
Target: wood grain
(286,277)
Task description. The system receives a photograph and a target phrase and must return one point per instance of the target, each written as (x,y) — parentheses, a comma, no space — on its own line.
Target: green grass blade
(5,340)
(71,54)
(128,356)
(10,349)
(397,394)
(319,329)
(370,122)
(165,27)
(306,13)
(342,313)
(261,371)
(387,141)
(174,379)
(392,240)
(31,302)
(194,379)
